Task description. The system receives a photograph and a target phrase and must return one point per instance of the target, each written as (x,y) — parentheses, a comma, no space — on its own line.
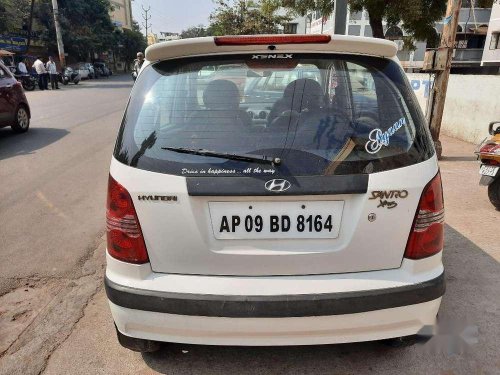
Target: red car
(14,107)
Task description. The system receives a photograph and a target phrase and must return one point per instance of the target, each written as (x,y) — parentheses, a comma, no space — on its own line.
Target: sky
(173,15)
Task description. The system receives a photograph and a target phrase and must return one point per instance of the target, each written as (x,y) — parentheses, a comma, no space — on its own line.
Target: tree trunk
(376,25)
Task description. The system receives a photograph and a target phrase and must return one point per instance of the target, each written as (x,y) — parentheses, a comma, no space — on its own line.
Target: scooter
(489,154)
(70,76)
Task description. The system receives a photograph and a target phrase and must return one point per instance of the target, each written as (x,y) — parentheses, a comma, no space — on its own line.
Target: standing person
(42,73)
(139,62)
(52,69)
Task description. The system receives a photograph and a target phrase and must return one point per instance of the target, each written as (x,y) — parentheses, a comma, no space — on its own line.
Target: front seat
(297,96)
(222,100)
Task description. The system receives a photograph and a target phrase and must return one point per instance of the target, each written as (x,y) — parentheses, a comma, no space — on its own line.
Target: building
(167,36)
(469,45)
(121,15)
(152,38)
(491,53)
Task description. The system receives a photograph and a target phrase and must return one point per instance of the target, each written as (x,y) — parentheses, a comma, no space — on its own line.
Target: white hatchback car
(296,200)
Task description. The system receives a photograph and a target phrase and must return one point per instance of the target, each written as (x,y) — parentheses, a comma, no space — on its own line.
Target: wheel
(28,85)
(494,193)
(76,82)
(65,82)
(137,345)
(21,120)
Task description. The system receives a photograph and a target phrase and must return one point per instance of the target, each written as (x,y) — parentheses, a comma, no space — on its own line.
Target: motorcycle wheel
(494,193)
(29,86)
(76,82)
(65,82)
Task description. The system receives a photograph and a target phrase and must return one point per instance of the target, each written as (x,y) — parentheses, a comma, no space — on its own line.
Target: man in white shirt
(21,67)
(42,74)
(52,69)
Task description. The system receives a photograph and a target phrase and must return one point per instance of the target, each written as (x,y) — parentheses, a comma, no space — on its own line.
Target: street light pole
(60,45)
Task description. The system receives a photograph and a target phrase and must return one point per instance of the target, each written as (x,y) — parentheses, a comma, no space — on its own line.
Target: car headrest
(308,90)
(221,94)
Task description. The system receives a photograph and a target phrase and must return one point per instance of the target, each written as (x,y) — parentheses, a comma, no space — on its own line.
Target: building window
(290,28)
(494,41)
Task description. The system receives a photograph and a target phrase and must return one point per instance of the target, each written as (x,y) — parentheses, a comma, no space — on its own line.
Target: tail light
(427,234)
(242,40)
(492,149)
(124,235)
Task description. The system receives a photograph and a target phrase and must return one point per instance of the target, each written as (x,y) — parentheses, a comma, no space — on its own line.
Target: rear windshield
(290,114)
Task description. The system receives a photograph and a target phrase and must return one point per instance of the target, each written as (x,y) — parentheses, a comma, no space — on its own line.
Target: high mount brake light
(242,40)
(124,235)
(427,233)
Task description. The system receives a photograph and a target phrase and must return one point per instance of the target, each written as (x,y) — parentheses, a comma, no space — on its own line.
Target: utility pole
(441,80)
(60,45)
(30,25)
(340,17)
(146,18)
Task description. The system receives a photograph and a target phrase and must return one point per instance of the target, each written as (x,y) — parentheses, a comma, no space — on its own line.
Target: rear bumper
(275,310)
(274,306)
(317,330)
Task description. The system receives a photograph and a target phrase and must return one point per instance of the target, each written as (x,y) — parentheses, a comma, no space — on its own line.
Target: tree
(13,15)
(247,17)
(195,32)
(417,16)
(86,26)
(128,42)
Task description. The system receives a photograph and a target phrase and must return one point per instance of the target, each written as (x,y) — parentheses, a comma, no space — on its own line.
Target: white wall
(472,102)
(492,56)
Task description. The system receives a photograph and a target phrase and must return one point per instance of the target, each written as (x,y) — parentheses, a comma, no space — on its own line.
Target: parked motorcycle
(489,154)
(70,76)
(28,81)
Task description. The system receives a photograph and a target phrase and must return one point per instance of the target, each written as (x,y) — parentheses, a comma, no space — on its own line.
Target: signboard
(13,43)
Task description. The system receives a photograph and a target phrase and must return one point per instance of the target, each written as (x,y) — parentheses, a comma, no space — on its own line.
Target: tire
(29,85)
(65,83)
(76,82)
(494,193)
(21,120)
(137,345)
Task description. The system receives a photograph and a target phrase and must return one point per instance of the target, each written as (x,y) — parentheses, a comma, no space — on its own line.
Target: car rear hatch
(328,180)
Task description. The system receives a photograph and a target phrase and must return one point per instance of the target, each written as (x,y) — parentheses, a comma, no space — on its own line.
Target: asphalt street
(54,317)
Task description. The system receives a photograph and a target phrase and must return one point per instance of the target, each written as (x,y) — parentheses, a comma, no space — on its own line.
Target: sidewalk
(467,206)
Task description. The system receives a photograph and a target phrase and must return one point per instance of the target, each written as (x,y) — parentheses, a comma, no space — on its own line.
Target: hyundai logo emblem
(278,185)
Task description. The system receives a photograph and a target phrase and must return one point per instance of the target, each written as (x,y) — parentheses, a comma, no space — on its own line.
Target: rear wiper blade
(251,158)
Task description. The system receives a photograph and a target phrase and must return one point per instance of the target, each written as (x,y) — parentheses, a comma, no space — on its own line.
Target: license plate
(488,170)
(270,220)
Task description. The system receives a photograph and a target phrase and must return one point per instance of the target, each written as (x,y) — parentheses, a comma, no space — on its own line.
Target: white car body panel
(372,325)
(179,236)
(320,330)
(207,46)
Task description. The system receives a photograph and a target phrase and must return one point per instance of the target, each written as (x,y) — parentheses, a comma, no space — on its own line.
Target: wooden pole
(441,80)
(60,44)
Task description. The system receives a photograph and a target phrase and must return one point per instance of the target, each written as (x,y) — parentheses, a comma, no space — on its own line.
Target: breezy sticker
(378,138)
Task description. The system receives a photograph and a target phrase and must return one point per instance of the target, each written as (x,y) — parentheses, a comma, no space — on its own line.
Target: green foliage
(302,7)
(417,16)
(13,15)
(127,43)
(196,32)
(241,17)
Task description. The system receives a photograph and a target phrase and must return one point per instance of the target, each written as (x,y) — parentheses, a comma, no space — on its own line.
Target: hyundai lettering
(273,190)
